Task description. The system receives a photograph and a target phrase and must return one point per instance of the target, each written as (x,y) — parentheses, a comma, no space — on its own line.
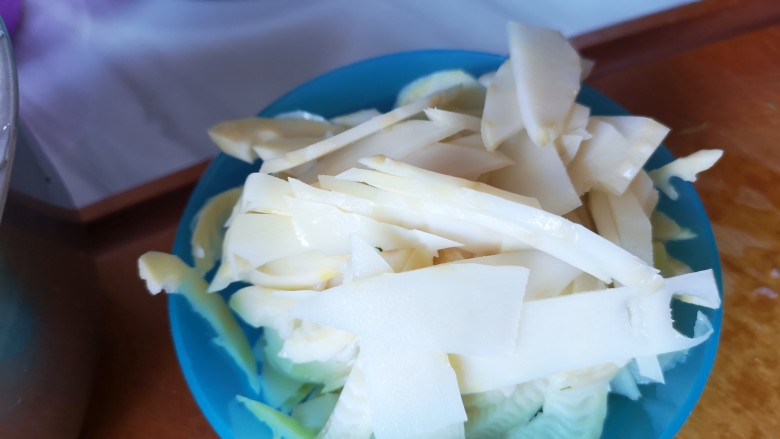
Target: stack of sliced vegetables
(484,260)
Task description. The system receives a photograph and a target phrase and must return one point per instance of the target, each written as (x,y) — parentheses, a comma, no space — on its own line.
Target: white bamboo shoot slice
(411,393)
(238,138)
(461,122)
(545,231)
(328,229)
(356,118)
(588,329)
(547,72)
(209,229)
(351,417)
(344,138)
(365,260)
(645,192)
(259,238)
(547,276)
(265,193)
(432,179)
(622,220)
(538,173)
(397,141)
(445,308)
(684,168)
(574,133)
(501,117)
(457,160)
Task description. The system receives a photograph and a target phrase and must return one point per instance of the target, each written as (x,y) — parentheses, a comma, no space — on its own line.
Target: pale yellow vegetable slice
(643,133)
(458,160)
(261,238)
(598,158)
(282,426)
(645,192)
(622,220)
(492,414)
(538,173)
(685,168)
(331,374)
(547,72)
(351,417)
(588,329)
(463,122)
(644,136)
(311,342)
(601,212)
(431,179)
(667,229)
(356,118)
(238,138)
(328,229)
(209,229)
(265,193)
(260,306)
(501,117)
(313,413)
(569,412)
(467,308)
(281,391)
(398,141)
(464,93)
(365,260)
(418,258)
(162,271)
(545,231)
(308,270)
(411,393)
(618,150)
(547,276)
(275,147)
(668,265)
(574,133)
(344,138)
(405,212)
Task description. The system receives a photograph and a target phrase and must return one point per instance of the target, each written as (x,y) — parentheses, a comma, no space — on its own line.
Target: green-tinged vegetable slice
(162,271)
(684,168)
(492,414)
(209,229)
(283,426)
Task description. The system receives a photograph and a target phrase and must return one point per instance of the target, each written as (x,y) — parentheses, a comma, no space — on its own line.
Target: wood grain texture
(668,33)
(727,96)
(140,391)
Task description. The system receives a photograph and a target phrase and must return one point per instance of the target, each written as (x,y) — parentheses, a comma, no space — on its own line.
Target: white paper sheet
(117,93)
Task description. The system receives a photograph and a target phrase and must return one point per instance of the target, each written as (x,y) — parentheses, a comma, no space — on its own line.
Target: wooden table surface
(722,92)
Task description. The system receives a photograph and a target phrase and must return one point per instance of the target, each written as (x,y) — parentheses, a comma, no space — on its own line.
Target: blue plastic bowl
(213,378)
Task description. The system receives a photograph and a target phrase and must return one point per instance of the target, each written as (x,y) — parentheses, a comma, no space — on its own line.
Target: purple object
(11,11)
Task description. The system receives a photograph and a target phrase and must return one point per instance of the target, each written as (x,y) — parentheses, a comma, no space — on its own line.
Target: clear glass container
(48,337)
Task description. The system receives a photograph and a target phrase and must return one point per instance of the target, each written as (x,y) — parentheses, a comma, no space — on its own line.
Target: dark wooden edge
(685,13)
(186,178)
(110,224)
(668,33)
